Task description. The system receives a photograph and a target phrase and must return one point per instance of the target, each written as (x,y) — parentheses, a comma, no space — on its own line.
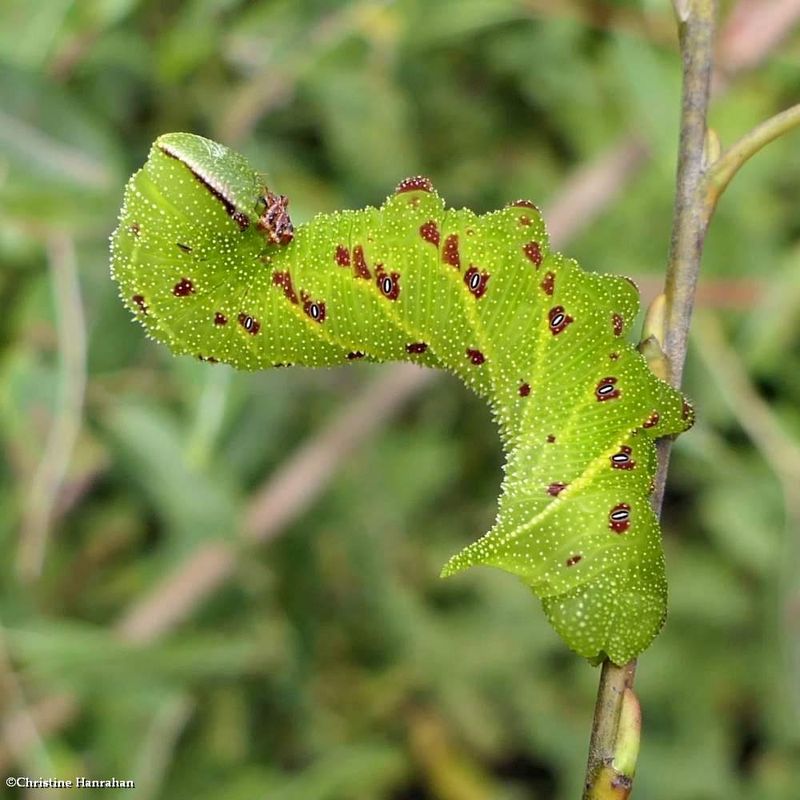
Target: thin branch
(696,28)
(729,163)
(689,219)
(614,681)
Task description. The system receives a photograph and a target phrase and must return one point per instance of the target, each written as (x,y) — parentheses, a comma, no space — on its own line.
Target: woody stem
(696,30)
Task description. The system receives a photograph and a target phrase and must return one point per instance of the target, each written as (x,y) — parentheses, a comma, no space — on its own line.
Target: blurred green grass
(333,663)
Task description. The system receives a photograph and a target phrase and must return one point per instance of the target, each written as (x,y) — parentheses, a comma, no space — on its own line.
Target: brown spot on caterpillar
(134,228)
(613,356)
(551,438)
(209,359)
(240,218)
(573,560)
(476,357)
(184,247)
(416,347)
(548,283)
(652,420)
(605,390)
(139,300)
(450,254)
(360,269)
(525,220)
(388,283)
(413,184)
(523,204)
(183,288)
(524,389)
(314,309)
(342,256)
(617,323)
(534,252)
(619,518)
(429,231)
(555,489)
(558,319)
(250,324)
(220,318)
(275,221)
(284,279)
(476,281)
(355,354)
(622,458)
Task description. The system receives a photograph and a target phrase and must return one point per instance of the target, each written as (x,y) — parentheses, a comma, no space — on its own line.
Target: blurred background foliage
(181,608)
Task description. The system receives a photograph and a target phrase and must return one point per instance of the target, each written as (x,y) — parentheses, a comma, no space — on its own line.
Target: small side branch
(689,217)
(729,163)
(600,772)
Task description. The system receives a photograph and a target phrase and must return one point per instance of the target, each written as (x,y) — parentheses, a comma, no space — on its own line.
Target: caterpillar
(207,260)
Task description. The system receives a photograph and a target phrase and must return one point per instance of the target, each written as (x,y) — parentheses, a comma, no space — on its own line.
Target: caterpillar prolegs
(207,259)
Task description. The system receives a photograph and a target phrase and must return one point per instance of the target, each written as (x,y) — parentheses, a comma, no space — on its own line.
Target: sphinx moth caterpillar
(207,259)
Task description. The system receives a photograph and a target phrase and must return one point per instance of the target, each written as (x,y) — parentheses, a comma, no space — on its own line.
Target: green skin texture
(610,601)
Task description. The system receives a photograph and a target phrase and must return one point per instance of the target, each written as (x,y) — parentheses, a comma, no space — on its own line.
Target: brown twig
(689,217)
(696,28)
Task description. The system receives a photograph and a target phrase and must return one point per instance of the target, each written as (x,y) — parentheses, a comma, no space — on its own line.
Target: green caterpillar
(206,258)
